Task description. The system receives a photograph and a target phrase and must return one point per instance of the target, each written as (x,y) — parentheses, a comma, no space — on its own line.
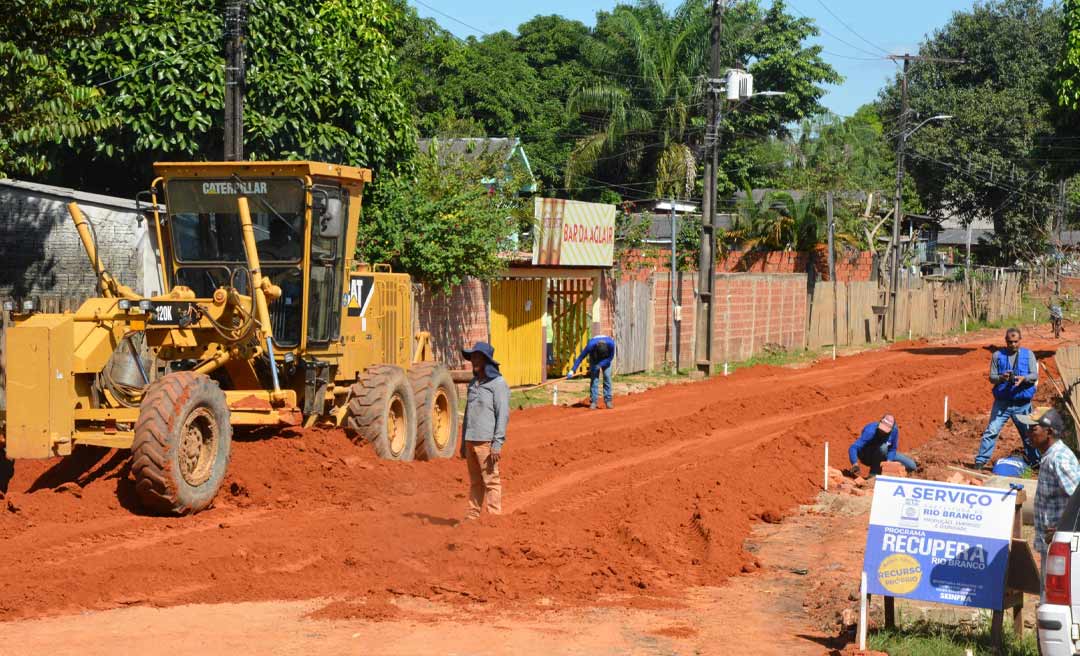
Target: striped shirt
(1059,473)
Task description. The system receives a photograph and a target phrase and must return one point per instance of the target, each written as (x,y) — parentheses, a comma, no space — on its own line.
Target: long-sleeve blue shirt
(868,435)
(588,352)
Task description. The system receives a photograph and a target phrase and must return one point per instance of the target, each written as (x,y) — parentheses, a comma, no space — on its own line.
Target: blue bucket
(1010,466)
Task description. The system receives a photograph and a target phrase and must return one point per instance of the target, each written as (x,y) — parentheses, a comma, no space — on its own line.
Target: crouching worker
(483,429)
(877,444)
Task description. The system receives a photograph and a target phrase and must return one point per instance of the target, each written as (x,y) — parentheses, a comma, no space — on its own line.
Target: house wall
(41,254)
(454,319)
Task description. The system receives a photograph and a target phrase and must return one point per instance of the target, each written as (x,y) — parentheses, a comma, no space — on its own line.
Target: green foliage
(41,103)
(321,84)
(439,223)
(996,157)
(925,638)
(650,103)
(647,104)
(1067,72)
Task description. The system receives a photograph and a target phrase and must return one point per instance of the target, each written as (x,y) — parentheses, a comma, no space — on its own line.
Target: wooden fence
(926,307)
(633,309)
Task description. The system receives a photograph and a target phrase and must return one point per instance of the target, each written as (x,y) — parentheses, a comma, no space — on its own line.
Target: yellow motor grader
(268,320)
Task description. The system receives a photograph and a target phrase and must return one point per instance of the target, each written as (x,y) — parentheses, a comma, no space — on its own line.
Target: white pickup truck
(1059,613)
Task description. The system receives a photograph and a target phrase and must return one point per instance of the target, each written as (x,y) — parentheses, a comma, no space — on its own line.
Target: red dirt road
(633,505)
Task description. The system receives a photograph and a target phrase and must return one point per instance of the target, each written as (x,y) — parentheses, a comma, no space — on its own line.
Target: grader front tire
(182,444)
(437,431)
(382,410)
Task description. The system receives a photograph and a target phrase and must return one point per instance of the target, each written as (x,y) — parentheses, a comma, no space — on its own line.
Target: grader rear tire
(382,410)
(182,444)
(437,431)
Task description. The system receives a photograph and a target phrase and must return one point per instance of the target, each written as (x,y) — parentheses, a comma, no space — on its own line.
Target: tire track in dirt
(770,428)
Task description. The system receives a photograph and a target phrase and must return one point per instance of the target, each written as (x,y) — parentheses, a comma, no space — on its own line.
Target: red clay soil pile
(641,501)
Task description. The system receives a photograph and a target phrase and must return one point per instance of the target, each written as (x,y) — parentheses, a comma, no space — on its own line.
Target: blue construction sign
(939,542)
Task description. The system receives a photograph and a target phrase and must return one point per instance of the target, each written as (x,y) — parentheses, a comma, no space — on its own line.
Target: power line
(827,32)
(456,20)
(850,29)
(156,62)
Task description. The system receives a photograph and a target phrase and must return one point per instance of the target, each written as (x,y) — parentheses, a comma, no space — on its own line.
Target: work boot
(592,406)
(609,405)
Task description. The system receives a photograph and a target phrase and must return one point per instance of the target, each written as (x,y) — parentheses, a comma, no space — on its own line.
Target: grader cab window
(328,221)
(208,244)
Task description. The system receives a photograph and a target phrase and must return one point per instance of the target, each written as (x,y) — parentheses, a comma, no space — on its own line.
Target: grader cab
(265,319)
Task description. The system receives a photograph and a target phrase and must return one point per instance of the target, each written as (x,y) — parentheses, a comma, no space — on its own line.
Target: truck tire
(382,410)
(437,431)
(182,444)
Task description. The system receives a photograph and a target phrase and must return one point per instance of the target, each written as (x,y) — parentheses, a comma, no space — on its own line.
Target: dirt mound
(638,502)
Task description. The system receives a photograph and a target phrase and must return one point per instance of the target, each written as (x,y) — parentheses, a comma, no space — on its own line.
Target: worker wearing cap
(1059,473)
(877,443)
(483,429)
(600,350)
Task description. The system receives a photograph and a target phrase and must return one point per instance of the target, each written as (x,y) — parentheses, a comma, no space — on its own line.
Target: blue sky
(856,36)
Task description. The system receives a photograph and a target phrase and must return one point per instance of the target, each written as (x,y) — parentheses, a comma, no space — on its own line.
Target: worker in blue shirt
(876,444)
(600,351)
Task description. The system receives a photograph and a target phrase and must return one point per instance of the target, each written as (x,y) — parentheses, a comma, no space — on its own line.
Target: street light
(894,281)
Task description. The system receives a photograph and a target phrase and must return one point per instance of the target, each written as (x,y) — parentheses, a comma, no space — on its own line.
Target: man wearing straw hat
(878,443)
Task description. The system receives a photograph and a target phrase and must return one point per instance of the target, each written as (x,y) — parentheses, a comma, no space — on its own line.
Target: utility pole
(703,323)
(832,270)
(894,279)
(676,296)
(901,144)
(235,22)
(1059,250)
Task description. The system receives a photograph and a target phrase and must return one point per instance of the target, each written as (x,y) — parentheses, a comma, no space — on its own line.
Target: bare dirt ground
(652,528)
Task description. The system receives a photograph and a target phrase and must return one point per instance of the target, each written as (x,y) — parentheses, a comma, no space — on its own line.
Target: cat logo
(359,296)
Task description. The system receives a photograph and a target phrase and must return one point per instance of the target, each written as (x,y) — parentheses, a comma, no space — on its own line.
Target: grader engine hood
(40,387)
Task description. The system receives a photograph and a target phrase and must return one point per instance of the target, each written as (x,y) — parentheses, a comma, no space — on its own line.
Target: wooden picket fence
(926,307)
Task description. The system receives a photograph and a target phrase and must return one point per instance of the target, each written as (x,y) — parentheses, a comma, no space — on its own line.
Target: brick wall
(40,251)
(753,310)
(855,267)
(454,319)
(662,338)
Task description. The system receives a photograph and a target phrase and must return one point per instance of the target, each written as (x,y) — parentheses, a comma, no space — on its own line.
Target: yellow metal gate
(572,320)
(517,307)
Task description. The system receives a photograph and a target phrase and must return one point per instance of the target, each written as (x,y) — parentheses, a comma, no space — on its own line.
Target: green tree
(42,103)
(647,105)
(321,84)
(999,156)
(439,223)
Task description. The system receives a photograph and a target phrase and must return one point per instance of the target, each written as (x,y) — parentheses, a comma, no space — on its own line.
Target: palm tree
(645,114)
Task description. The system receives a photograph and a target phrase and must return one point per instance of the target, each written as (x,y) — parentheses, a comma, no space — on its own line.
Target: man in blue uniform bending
(600,351)
(877,444)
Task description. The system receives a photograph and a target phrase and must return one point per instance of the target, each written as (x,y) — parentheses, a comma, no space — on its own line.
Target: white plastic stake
(725,368)
(862,612)
(555,395)
(965,324)
(909,334)
(826,466)
(946,409)
(1032,315)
